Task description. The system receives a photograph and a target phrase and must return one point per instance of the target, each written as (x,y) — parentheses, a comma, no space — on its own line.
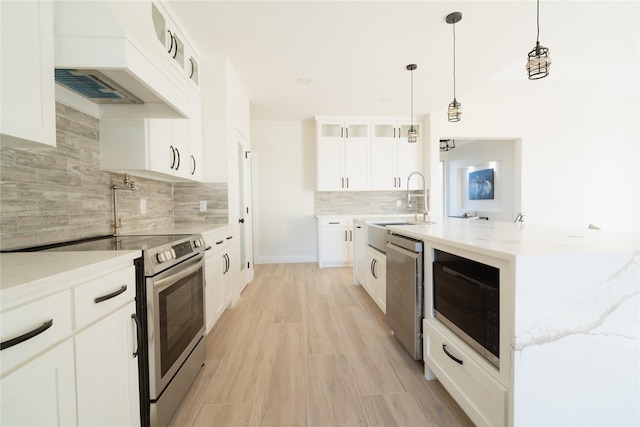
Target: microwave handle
(464,276)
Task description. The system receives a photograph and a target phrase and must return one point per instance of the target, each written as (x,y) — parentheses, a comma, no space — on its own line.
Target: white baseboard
(286,259)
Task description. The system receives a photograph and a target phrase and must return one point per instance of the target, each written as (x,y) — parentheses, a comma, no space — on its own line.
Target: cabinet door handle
(173,156)
(175,47)
(399,133)
(24,337)
(399,182)
(342,185)
(98,300)
(394,132)
(394,181)
(451,356)
(347,182)
(178,163)
(193,68)
(341,132)
(347,132)
(170,38)
(227,263)
(350,236)
(138,333)
(193,162)
(371,268)
(345,235)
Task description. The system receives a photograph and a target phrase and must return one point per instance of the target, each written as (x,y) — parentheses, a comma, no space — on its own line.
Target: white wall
(579,127)
(284,223)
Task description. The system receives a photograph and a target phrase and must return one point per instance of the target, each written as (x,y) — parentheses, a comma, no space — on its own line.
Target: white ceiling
(355,52)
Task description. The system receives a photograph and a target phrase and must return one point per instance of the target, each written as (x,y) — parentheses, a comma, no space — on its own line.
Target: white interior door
(245,213)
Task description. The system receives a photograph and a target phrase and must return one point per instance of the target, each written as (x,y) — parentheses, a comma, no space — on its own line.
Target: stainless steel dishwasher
(404,291)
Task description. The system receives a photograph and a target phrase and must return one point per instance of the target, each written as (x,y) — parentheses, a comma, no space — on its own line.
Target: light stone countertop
(507,240)
(23,273)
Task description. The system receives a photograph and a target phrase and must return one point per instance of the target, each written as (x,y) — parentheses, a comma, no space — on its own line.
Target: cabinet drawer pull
(334,223)
(138,334)
(24,337)
(451,356)
(229,237)
(219,242)
(111,295)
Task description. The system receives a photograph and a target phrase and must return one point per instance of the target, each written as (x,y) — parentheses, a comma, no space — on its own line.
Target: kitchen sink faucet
(130,185)
(424,195)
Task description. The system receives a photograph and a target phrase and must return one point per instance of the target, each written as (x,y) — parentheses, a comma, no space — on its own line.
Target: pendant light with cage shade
(538,62)
(412,135)
(454,112)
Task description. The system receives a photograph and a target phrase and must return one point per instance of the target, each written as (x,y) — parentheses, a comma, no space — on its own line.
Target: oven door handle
(186,268)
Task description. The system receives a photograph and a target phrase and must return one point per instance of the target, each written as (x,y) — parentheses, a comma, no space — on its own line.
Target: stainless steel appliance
(405,291)
(170,289)
(466,298)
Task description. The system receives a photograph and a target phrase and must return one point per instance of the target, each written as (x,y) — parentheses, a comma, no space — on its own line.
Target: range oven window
(466,298)
(181,310)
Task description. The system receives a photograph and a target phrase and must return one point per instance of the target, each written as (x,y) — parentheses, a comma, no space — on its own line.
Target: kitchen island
(569,324)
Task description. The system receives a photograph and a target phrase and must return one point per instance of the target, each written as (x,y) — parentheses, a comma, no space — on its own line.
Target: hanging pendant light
(455,111)
(538,63)
(412,135)
(447,144)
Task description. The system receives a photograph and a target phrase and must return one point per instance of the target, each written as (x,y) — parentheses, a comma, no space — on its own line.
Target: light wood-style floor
(305,347)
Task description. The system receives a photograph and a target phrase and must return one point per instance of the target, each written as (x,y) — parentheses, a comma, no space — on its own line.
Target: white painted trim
(286,259)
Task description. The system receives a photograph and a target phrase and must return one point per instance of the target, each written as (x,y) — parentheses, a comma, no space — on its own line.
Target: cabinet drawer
(103,295)
(34,317)
(334,222)
(475,390)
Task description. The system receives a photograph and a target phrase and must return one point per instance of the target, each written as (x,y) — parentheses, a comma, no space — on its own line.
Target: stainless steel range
(170,305)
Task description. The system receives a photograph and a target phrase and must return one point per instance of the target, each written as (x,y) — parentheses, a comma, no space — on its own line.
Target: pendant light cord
(538,21)
(454,61)
(411,99)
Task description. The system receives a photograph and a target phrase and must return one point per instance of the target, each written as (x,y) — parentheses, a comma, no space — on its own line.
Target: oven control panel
(166,255)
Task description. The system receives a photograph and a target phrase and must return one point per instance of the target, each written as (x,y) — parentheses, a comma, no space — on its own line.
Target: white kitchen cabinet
(180,53)
(393,158)
(27,117)
(343,155)
(107,371)
(377,277)
(335,242)
(81,364)
(219,275)
(360,252)
(154,148)
(42,391)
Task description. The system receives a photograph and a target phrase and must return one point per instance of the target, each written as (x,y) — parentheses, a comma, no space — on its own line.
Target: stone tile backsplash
(54,194)
(364,203)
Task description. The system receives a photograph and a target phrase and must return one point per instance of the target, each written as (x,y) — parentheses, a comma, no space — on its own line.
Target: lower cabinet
(377,277)
(219,275)
(335,242)
(42,392)
(107,371)
(80,366)
(360,252)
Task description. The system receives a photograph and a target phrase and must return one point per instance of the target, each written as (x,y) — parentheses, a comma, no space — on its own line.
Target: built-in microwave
(466,298)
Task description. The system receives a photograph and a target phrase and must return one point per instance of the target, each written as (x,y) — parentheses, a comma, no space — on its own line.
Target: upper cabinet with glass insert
(179,51)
